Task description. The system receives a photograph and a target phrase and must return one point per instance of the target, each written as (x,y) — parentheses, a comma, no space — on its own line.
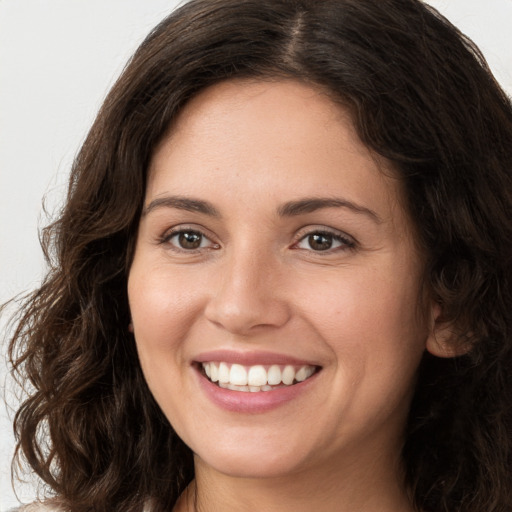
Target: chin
(252,460)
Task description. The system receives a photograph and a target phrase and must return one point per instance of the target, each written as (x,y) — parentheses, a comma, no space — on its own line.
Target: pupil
(320,242)
(189,240)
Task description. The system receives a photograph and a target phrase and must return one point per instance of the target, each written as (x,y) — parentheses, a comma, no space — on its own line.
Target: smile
(237,377)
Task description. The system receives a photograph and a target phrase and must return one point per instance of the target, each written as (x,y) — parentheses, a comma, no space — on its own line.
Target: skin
(357,310)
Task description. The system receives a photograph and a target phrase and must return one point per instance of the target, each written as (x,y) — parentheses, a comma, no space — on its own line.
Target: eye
(321,241)
(188,240)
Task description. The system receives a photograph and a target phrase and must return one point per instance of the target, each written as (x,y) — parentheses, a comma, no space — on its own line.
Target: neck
(374,487)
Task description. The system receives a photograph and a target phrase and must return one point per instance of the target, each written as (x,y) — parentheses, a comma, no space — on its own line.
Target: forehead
(275,138)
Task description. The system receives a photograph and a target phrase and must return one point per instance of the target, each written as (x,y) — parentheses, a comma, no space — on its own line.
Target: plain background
(58,58)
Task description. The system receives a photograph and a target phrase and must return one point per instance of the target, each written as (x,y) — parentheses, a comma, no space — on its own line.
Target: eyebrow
(289,209)
(308,205)
(182,203)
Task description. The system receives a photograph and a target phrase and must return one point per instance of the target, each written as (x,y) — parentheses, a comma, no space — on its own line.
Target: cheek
(161,305)
(371,322)
(163,310)
(363,300)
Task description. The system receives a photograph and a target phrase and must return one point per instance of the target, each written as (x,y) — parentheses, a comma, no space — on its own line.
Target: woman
(282,277)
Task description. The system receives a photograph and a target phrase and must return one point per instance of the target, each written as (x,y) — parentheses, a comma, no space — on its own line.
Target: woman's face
(273,248)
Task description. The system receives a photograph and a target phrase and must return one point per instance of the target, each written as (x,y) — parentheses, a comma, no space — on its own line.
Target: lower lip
(253,402)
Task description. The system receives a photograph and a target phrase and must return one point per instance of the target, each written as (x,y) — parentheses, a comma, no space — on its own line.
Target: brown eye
(324,241)
(189,239)
(320,241)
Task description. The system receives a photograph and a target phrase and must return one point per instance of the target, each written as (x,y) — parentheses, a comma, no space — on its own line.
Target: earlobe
(443,339)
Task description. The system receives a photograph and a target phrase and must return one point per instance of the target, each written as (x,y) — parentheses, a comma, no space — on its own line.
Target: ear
(443,339)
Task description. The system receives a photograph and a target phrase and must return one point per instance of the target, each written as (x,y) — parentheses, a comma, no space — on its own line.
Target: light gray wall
(57,60)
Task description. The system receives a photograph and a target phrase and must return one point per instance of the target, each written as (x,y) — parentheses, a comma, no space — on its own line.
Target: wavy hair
(421,95)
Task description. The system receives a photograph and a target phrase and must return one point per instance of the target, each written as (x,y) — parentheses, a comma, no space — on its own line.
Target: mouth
(256,378)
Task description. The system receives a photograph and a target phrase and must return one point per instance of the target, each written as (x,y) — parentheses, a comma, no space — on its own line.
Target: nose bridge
(248,294)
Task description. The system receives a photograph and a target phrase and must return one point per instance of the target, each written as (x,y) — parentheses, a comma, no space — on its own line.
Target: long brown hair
(420,95)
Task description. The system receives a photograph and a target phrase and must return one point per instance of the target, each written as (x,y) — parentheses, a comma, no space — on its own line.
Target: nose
(250,294)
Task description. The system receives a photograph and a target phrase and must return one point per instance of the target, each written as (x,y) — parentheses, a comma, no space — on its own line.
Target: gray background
(58,59)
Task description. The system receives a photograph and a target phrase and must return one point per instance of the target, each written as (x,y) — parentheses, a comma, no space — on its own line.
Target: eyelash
(346,242)
(175,232)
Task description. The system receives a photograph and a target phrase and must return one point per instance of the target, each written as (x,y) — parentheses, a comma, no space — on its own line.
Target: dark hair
(421,95)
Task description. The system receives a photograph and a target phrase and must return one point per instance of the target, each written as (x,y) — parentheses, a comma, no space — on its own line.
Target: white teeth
(234,387)
(304,373)
(255,378)
(238,375)
(214,371)
(223,372)
(288,375)
(274,375)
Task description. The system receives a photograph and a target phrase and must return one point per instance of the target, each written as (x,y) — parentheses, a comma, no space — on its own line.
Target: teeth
(304,373)
(238,375)
(223,373)
(214,371)
(255,378)
(274,375)
(288,375)
(233,387)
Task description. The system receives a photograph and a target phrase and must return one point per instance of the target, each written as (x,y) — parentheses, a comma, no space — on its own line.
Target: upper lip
(251,358)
